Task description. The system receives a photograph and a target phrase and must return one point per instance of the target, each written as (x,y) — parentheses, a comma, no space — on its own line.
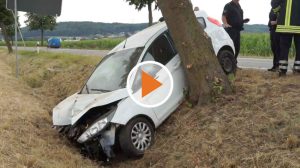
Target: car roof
(141,38)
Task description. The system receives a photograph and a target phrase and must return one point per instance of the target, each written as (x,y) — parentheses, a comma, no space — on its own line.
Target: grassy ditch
(54,76)
(27,139)
(257,126)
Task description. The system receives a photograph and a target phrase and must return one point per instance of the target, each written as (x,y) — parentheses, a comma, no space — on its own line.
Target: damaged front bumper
(103,131)
(101,147)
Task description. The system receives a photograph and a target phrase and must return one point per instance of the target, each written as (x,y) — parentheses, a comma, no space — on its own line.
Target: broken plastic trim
(97,127)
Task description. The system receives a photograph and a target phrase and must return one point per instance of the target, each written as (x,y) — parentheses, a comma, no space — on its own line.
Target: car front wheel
(136,137)
(227,61)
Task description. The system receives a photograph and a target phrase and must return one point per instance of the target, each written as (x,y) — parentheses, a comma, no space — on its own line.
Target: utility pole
(16,40)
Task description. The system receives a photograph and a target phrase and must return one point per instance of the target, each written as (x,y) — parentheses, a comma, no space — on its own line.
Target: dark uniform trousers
(275,46)
(235,35)
(285,45)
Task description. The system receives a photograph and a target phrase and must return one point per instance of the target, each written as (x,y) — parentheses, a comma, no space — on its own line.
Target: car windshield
(111,74)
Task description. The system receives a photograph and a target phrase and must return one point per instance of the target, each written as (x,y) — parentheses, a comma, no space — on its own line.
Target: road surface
(243,62)
(259,63)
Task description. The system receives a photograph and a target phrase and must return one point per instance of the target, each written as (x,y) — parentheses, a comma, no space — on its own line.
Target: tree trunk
(204,73)
(6,38)
(150,13)
(42,37)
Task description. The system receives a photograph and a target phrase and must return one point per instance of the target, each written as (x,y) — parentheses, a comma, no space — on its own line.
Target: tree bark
(6,38)
(42,37)
(150,14)
(204,73)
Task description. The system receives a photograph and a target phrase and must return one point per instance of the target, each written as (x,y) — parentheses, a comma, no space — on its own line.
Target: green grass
(255,44)
(64,58)
(258,44)
(252,44)
(102,44)
(36,69)
(27,43)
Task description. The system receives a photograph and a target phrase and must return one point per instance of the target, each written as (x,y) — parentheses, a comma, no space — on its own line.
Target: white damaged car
(102,116)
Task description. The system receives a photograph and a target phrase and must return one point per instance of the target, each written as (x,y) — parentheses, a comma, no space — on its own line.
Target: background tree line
(33,22)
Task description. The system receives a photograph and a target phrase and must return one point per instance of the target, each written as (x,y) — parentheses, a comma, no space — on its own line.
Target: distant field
(258,44)
(101,44)
(252,44)
(255,44)
(27,43)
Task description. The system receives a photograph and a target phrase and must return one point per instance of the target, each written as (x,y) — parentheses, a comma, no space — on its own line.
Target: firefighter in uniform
(288,25)
(233,22)
(274,39)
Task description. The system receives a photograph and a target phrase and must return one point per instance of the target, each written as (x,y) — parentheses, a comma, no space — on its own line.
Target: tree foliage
(42,23)
(86,29)
(6,22)
(140,4)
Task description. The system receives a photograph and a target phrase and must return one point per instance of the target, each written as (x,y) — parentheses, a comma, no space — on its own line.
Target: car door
(162,50)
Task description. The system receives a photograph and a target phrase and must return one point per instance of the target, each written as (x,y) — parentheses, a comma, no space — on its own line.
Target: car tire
(136,137)
(227,61)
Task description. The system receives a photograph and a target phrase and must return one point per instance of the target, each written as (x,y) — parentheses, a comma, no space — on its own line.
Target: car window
(171,41)
(160,51)
(148,57)
(202,22)
(111,74)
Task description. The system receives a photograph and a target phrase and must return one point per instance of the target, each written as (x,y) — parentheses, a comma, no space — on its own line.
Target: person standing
(288,25)
(233,22)
(274,39)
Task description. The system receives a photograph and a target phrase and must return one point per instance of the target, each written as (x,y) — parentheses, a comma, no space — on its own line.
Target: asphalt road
(243,62)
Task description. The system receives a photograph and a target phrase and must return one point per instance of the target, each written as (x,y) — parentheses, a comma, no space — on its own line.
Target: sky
(120,11)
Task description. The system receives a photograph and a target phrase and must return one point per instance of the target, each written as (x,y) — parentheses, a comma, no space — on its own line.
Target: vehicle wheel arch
(227,60)
(144,116)
(226,47)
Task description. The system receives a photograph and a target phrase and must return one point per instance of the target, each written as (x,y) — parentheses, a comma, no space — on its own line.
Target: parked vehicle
(54,42)
(102,115)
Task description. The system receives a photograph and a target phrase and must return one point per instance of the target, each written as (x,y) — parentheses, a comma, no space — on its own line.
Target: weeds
(257,126)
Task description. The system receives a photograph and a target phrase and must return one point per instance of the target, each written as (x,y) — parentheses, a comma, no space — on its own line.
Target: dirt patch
(257,126)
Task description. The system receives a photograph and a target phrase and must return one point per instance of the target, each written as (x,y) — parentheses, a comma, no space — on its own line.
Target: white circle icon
(150,84)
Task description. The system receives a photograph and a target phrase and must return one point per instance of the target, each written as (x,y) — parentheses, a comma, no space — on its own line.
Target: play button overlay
(150,84)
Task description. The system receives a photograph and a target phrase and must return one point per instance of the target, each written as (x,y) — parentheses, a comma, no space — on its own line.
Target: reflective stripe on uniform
(283,67)
(288,12)
(297,62)
(283,62)
(276,10)
(297,67)
(290,26)
(287,31)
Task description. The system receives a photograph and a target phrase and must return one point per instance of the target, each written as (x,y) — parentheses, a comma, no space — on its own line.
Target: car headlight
(93,130)
(97,127)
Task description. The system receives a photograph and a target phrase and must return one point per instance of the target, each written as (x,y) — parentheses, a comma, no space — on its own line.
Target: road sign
(41,7)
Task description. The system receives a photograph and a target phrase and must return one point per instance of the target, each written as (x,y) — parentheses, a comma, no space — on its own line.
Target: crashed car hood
(70,110)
